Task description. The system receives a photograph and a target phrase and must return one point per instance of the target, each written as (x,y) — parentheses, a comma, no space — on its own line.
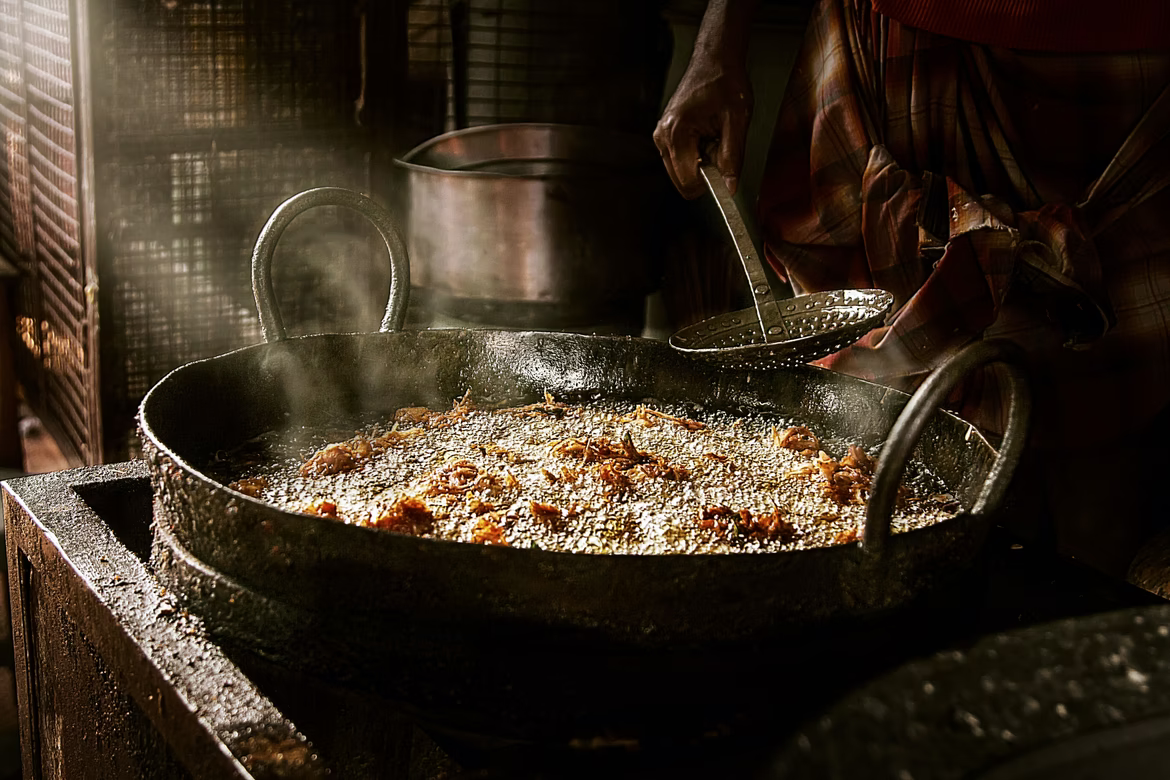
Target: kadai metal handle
(908,428)
(271,322)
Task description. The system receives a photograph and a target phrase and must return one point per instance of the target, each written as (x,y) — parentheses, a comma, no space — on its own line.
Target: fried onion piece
(649,417)
(322,507)
(849,481)
(250,486)
(725,522)
(660,469)
(497,451)
(618,462)
(798,438)
(459,477)
(407,515)
(479,507)
(551,512)
(615,479)
(589,450)
(805,470)
(549,407)
(717,518)
(459,411)
(846,481)
(859,459)
(542,511)
(847,537)
(770,525)
(334,459)
(413,414)
(842,483)
(348,455)
(487,532)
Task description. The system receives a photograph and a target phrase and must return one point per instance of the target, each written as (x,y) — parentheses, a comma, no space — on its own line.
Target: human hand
(712,102)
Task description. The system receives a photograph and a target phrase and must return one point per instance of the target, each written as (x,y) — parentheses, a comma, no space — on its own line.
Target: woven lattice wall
(204,117)
(595,63)
(131,216)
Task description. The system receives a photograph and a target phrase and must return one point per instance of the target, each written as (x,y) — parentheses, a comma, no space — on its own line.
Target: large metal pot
(411,618)
(538,225)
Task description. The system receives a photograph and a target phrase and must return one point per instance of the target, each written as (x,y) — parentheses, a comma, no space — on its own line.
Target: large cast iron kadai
(213,405)
(345,597)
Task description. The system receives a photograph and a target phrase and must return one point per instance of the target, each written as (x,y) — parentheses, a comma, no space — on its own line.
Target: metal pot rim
(625,145)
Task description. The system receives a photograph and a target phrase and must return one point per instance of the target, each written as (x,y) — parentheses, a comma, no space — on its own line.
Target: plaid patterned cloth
(994,193)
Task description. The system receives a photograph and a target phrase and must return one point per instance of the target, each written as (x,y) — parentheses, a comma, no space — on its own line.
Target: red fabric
(1041,25)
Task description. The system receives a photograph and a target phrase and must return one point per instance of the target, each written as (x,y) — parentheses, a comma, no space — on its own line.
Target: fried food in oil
(605,477)
(407,515)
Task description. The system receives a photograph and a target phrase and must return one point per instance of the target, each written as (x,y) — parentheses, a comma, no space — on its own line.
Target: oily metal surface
(97,634)
(1086,697)
(810,327)
(493,682)
(316,563)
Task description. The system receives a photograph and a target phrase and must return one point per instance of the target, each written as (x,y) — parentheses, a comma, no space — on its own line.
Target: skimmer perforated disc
(814,325)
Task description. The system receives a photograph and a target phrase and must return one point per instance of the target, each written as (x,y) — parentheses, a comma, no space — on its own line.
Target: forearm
(725,30)
(713,100)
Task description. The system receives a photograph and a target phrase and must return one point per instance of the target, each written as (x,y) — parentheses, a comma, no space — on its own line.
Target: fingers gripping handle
(921,407)
(271,321)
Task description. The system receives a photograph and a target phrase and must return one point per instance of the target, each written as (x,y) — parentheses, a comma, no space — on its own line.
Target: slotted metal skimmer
(776,333)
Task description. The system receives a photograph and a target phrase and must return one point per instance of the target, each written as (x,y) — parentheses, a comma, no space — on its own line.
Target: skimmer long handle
(772,324)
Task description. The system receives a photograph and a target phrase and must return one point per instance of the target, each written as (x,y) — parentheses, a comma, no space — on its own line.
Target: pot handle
(271,322)
(921,407)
